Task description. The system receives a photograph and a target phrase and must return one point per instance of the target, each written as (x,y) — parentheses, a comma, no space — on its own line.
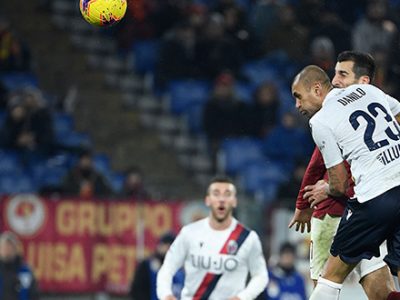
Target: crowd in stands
(39,149)
(226,65)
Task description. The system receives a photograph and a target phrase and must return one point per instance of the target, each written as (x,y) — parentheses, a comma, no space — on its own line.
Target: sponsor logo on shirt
(215,264)
(389,155)
(349,214)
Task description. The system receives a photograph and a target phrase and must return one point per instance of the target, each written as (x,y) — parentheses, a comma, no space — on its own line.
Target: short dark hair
(220,179)
(167,238)
(364,63)
(287,247)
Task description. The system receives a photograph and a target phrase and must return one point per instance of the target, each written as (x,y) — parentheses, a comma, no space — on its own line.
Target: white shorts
(322,233)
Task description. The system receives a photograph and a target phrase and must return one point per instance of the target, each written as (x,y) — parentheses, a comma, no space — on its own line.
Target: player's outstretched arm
(302,219)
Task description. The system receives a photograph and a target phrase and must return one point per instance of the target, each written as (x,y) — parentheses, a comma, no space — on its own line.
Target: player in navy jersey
(355,124)
(217,253)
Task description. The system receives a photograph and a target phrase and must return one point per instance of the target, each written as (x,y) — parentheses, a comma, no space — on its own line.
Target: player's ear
(207,200)
(317,89)
(364,79)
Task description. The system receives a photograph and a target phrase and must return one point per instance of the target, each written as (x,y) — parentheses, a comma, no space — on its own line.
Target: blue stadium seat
(10,162)
(236,153)
(50,171)
(259,71)
(146,55)
(74,139)
(117,181)
(18,80)
(186,93)
(263,179)
(50,176)
(194,117)
(244,91)
(287,144)
(16,183)
(101,163)
(63,123)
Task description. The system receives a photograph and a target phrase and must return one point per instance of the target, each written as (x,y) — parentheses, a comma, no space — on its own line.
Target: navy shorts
(364,227)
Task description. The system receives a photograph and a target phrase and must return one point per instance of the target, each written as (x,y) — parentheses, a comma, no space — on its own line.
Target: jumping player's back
(357,124)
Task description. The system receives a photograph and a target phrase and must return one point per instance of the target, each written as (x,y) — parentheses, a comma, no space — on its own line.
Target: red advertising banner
(78,246)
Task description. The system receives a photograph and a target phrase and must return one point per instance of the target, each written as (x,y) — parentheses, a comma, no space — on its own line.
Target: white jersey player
(354,112)
(217,253)
(355,124)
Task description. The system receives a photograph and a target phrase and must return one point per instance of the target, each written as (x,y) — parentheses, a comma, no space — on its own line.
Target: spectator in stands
(166,14)
(374,29)
(222,113)
(14,56)
(288,35)
(309,12)
(28,125)
(387,73)
(287,142)
(288,190)
(197,17)
(236,27)
(332,27)
(285,281)
(179,57)
(323,54)
(262,18)
(83,180)
(17,280)
(217,50)
(262,116)
(133,186)
(143,286)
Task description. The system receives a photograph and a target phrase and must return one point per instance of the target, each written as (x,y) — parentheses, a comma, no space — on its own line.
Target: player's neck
(216,225)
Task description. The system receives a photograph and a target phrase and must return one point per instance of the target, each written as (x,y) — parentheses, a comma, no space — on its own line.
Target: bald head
(309,88)
(312,74)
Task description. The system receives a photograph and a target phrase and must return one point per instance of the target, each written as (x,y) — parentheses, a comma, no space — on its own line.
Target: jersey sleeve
(173,261)
(394,105)
(326,143)
(258,270)
(314,172)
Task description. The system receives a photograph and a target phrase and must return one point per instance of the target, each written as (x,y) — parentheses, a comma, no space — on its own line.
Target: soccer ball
(103,12)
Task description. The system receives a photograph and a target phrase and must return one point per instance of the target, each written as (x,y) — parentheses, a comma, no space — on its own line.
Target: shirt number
(370,117)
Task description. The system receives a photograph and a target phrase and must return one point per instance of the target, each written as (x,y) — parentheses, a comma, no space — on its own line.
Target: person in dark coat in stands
(143,286)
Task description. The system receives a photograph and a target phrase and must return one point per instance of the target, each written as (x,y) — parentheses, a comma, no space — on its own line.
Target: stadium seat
(16,183)
(146,55)
(101,163)
(116,181)
(186,93)
(49,172)
(244,91)
(18,80)
(262,180)
(10,162)
(259,71)
(236,153)
(194,118)
(63,122)
(74,139)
